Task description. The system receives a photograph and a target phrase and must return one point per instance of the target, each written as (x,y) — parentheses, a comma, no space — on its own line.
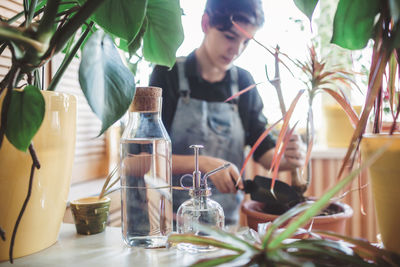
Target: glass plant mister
(146,191)
(199,209)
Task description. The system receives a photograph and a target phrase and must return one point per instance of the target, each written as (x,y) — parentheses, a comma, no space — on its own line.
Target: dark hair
(246,11)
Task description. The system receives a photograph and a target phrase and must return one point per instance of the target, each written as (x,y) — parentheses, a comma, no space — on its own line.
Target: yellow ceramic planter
(385,185)
(55,146)
(338,129)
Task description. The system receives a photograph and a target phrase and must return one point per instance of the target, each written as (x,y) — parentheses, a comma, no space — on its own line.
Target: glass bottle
(146,192)
(199,209)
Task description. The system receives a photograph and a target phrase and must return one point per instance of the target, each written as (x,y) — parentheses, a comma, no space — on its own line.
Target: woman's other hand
(295,152)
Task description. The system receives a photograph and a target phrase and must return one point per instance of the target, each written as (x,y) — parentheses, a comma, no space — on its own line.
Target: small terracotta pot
(90,214)
(335,223)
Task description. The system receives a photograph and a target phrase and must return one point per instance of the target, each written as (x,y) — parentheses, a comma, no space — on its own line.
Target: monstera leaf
(163,16)
(121,18)
(107,83)
(156,23)
(354,22)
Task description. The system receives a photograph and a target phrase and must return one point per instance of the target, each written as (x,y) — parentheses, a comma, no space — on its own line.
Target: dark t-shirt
(250,104)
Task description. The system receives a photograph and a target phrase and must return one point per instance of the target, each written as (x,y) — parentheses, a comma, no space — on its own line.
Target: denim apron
(215,125)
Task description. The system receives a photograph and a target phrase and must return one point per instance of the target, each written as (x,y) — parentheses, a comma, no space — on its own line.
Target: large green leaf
(164,32)
(24,117)
(306,6)
(354,22)
(121,18)
(108,85)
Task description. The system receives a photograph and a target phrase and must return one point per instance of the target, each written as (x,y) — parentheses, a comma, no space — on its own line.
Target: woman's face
(223,47)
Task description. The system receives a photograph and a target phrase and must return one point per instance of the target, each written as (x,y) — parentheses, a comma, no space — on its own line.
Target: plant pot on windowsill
(90,214)
(335,222)
(335,118)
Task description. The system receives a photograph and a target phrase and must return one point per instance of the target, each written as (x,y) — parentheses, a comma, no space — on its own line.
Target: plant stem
(35,164)
(34,157)
(68,59)
(11,33)
(68,12)
(4,82)
(3,47)
(31,12)
(47,22)
(26,9)
(14,73)
(2,234)
(63,34)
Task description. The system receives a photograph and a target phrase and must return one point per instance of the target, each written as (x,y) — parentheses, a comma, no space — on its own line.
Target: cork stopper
(147,99)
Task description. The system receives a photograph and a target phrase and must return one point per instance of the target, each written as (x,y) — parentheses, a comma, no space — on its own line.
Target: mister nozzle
(226,165)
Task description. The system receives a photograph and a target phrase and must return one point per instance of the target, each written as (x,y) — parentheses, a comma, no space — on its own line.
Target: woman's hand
(225,180)
(295,152)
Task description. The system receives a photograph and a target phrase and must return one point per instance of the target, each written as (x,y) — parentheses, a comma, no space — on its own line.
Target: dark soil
(331,209)
(277,208)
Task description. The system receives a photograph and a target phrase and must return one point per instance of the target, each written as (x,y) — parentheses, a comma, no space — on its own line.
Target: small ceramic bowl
(90,214)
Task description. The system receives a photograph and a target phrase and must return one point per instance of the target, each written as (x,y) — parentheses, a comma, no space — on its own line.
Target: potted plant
(319,79)
(311,249)
(384,64)
(51,27)
(355,23)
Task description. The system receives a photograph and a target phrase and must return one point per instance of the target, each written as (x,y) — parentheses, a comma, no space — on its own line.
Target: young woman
(194,111)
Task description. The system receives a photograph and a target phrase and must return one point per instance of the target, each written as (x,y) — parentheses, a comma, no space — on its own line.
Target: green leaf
(306,6)
(108,85)
(283,219)
(354,23)
(121,18)
(394,6)
(164,32)
(68,58)
(323,201)
(136,43)
(10,33)
(24,117)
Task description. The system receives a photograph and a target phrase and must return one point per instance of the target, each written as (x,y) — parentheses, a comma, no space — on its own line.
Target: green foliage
(354,22)
(161,38)
(109,87)
(277,250)
(25,115)
(102,69)
(121,18)
(306,6)
(394,6)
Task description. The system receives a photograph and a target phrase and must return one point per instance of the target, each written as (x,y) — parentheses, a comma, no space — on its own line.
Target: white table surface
(104,249)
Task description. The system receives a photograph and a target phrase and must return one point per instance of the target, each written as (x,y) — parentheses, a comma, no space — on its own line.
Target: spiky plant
(317,78)
(276,249)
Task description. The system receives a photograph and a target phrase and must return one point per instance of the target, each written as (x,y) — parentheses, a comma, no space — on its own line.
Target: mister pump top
(199,209)
(200,187)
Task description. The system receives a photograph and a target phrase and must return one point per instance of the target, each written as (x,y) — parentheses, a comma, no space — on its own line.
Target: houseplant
(50,27)
(355,23)
(318,79)
(274,249)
